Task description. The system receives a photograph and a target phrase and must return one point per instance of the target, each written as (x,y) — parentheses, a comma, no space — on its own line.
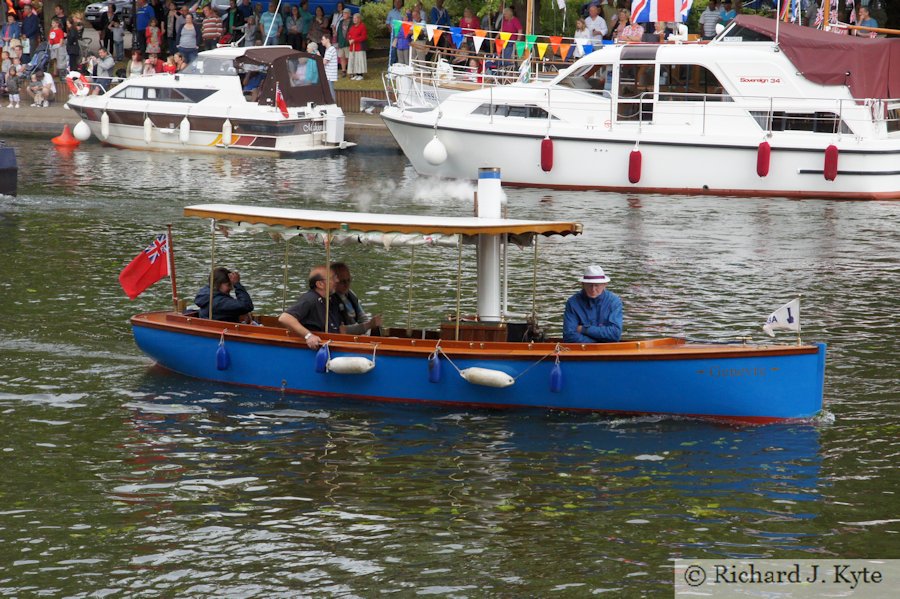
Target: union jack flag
(159,247)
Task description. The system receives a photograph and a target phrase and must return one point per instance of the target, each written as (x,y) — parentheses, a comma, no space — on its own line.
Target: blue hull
(753,388)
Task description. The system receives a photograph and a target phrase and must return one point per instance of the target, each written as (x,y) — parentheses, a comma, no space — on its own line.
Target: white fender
(82,131)
(349,365)
(148,129)
(487,377)
(184,130)
(104,125)
(226,133)
(435,152)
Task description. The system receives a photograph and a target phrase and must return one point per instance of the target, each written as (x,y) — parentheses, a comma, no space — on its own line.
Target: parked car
(94,12)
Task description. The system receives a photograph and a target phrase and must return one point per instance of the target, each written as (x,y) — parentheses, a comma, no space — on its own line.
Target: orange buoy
(634,166)
(831,162)
(65,139)
(547,154)
(763,158)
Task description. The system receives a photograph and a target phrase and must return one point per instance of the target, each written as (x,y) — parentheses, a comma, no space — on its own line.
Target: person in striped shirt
(212,29)
(331,64)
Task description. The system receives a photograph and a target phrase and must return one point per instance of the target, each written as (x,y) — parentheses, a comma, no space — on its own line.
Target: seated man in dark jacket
(224,306)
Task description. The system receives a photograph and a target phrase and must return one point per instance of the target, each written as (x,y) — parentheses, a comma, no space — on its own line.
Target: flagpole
(171,255)
(826,26)
(778,19)
(798,318)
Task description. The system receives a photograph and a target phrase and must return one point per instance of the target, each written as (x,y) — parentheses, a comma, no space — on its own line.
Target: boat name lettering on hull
(760,79)
(313,127)
(734,372)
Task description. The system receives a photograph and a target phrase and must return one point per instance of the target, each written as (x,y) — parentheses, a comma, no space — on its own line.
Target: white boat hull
(715,165)
(168,138)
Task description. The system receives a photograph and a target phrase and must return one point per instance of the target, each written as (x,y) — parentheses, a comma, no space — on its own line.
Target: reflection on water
(119,479)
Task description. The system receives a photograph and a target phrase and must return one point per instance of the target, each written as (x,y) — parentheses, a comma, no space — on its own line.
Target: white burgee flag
(785,318)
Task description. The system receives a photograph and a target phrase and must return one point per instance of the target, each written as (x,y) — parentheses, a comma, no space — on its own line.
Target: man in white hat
(593,314)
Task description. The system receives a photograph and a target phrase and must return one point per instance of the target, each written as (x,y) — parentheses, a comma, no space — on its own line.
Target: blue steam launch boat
(482,360)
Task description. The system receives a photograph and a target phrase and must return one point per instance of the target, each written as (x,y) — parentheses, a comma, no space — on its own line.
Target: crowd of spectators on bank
(166,38)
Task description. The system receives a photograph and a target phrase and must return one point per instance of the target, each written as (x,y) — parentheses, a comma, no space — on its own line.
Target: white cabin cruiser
(808,116)
(206,108)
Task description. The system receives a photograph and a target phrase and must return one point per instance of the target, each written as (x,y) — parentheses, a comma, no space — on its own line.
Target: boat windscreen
(211,66)
(589,77)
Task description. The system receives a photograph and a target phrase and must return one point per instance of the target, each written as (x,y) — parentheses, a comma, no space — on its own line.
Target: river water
(122,480)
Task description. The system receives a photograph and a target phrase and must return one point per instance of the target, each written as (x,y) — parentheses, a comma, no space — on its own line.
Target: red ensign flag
(148,267)
(279,101)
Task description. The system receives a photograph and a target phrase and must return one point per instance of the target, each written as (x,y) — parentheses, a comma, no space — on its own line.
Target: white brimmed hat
(594,274)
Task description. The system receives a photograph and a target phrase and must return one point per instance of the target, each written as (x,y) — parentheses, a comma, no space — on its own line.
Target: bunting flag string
(499,39)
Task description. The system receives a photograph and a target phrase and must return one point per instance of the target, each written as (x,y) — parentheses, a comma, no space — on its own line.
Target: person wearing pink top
(511,25)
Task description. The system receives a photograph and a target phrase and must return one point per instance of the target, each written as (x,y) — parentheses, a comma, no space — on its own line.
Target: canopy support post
(212,264)
(458,282)
(327,277)
(171,255)
(412,262)
(534,280)
(284,277)
(505,307)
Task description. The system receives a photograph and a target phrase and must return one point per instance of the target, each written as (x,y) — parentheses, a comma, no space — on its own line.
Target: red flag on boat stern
(148,267)
(279,101)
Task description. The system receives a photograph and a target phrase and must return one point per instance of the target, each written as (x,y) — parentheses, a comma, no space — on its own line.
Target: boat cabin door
(636,92)
(636,83)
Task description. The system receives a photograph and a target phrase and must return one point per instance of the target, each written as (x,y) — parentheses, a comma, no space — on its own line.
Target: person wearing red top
(56,41)
(511,25)
(357,36)
(468,22)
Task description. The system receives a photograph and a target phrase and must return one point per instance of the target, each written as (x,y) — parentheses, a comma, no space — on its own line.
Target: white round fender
(184,130)
(104,125)
(487,377)
(435,152)
(226,133)
(349,365)
(82,131)
(148,130)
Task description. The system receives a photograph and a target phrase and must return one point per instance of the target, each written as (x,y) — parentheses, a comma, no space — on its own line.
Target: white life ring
(76,84)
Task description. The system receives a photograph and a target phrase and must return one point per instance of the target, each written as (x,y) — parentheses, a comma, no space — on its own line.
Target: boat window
(744,34)
(132,92)
(635,79)
(595,76)
(505,110)
(303,71)
(636,82)
(816,122)
(893,118)
(163,94)
(689,83)
(211,66)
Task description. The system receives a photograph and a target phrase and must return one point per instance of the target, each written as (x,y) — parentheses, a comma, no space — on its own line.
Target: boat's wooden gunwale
(667,348)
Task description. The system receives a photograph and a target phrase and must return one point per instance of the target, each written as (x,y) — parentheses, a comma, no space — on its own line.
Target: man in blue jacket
(225,307)
(31,28)
(594,314)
